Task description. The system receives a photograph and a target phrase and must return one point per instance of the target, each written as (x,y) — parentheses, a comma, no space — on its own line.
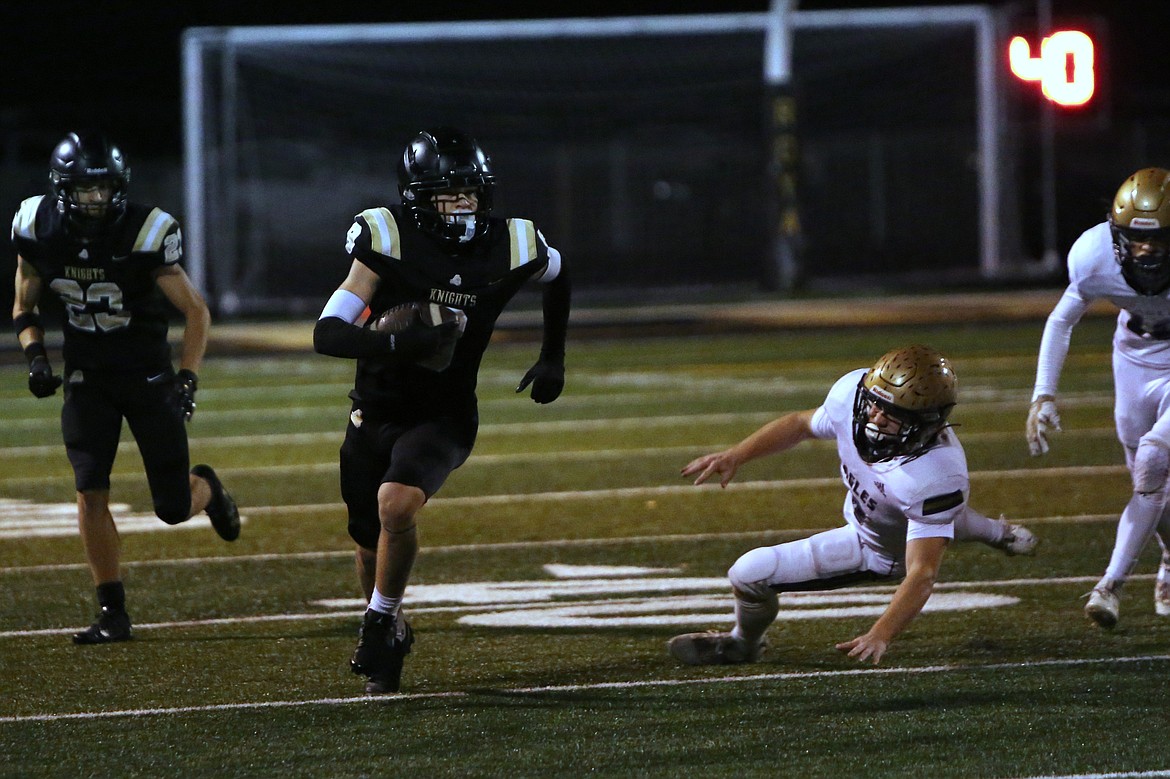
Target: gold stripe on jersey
(154,229)
(522,237)
(384,237)
(24,224)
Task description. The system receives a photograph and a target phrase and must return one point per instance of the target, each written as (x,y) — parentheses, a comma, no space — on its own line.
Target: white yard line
(572,688)
(498,546)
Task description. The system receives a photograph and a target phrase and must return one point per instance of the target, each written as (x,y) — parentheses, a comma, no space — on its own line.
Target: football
(399,318)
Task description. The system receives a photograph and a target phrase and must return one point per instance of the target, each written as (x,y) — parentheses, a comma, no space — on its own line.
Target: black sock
(112,596)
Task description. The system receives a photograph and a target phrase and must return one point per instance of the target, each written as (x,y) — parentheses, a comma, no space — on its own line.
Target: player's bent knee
(365,535)
(752,573)
(173,514)
(1151,468)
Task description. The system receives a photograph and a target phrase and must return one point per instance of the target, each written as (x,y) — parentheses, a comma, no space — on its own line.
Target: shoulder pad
(384,236)
(150,236)
(24,224)
(523,243)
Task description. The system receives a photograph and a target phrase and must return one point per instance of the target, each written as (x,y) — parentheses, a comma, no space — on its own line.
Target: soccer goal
(644,147)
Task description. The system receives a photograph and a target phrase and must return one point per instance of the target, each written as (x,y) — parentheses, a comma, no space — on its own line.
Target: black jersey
(414,267)
(116,316)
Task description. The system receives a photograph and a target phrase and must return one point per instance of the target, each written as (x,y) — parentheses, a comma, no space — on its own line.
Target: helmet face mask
(914,389)
(437,166)
(1139,222)
(89,177)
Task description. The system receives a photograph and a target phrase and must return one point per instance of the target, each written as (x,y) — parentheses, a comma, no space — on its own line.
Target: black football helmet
(1140,224)
(439,159)
(914,385)
(88,159)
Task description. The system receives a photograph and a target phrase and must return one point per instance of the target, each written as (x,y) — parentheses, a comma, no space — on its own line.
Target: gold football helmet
(1140,224)
(913,385)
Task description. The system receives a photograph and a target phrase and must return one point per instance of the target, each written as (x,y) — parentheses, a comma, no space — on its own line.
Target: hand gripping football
(399,318)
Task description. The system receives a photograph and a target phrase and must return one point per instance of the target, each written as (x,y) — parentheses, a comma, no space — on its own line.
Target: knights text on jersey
(1094,274)
(899,500)
(116,318)
(413,267)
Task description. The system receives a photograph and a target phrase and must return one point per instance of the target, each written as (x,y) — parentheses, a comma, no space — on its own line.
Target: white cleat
(1162,588)
(1017,540)
(1104,606)
(713,648)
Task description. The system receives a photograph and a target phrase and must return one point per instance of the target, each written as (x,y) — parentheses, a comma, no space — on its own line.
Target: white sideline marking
(560,688)
(502,545)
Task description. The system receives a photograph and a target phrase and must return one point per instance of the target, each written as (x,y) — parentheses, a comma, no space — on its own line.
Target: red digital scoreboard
(1063,65)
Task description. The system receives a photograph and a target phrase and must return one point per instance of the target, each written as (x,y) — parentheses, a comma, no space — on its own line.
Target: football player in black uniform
(414,420)
(114,265)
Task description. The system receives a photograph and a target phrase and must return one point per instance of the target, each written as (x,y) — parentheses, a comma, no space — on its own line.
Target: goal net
(642,147)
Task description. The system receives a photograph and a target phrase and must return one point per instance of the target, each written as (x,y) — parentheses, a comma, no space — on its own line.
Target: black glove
(41,381)
(547,378)
(186,382)
(420,341)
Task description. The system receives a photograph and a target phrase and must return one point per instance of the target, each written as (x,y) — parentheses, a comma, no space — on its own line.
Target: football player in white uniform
(1125,260)
(906,476)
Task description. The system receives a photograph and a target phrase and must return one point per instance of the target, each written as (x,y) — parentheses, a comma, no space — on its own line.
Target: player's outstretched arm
(777,436)
(923,559)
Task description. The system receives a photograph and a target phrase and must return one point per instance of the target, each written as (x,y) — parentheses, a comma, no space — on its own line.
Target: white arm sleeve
(343,304)
(1054,344)
(554,266)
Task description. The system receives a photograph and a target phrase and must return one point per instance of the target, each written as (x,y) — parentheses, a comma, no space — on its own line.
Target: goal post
(648,149)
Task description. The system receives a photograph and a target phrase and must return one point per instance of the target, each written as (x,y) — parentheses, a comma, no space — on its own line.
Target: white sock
(752,618)
(380,603)
(1137,524)
(973,526)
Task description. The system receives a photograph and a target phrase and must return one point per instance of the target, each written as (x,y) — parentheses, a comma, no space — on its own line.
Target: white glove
(1042,420)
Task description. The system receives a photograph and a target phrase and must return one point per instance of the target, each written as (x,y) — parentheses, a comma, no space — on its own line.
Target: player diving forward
(905,473)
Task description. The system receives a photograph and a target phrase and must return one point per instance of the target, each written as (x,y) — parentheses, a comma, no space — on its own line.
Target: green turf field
(555,565)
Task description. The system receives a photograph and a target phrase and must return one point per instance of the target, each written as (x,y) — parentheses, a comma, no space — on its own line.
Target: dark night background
(116,65)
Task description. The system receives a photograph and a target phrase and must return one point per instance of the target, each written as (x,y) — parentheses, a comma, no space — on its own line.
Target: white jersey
(892,502)
(1094,274)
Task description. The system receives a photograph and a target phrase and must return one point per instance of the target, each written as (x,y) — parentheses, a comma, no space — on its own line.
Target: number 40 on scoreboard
(1064,66)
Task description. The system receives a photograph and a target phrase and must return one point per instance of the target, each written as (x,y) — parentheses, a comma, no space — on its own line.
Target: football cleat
(383,645)
(1162,588)
(1104,605)
(1017,540)
(713,648)
(110,626)
(222,510)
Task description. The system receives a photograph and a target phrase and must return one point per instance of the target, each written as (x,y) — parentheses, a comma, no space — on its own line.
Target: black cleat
(389,678)
(382,648)
(111,626)
(225,517)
